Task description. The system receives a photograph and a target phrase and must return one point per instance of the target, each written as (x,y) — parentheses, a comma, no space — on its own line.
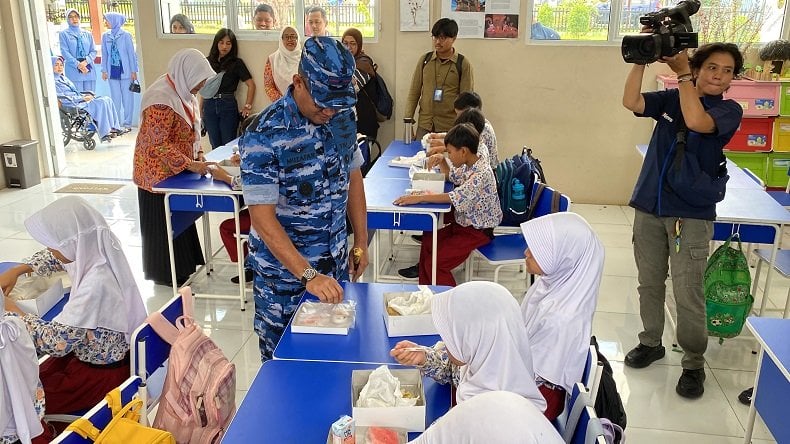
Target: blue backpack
(521,170)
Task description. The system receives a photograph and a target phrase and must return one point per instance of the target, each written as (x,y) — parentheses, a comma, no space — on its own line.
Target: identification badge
(297,156)
(438,93)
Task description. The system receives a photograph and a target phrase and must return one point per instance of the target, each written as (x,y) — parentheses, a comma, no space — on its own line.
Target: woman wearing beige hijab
(282,64)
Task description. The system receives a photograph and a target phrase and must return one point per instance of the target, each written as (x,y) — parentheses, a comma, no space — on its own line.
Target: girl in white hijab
(484,337)
(21,397)
(282,64)
(558,308)
(493,417)
(88,341)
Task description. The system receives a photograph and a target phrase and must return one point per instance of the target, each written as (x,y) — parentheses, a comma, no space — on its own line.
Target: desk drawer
(201,203)
(400,221)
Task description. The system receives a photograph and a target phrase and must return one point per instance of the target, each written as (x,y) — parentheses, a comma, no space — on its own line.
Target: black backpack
(608,403)
(383,103)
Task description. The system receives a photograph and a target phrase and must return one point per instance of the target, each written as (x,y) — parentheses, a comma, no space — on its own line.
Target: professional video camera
(671,34)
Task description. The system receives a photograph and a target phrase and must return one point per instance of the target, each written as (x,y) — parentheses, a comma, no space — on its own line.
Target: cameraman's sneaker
(691,383)
(642,355)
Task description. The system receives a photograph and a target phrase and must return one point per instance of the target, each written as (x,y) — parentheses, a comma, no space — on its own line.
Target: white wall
(563,101)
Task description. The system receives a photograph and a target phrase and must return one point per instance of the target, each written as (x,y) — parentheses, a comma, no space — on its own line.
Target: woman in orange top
(282,64)
(167,144)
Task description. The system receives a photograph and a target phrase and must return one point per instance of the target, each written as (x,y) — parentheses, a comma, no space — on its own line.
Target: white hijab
(186,69)
(497,417)
(103,290)
(285,63)
(558,308)
(480,326)
(18,381)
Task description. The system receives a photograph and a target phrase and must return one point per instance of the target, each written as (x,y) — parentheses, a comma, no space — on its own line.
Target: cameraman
(674,222)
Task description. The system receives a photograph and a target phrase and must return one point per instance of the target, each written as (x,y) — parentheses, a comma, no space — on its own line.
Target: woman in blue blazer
(79,52)
(119,65)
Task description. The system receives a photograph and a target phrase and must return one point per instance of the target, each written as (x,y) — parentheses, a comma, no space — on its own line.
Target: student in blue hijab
(119,65)
(78,51)
(100,108)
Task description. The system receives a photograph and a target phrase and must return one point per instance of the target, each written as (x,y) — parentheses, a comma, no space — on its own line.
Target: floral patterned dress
(98,346)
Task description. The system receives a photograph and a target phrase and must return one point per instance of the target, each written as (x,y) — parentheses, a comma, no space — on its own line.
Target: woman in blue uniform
(119,65)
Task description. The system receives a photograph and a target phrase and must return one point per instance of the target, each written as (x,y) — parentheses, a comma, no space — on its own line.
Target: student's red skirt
(71,385)
(555,400)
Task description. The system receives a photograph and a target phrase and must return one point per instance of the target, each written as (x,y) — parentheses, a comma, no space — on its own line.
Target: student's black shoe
(248,275)
(691,383)
(107,138)
(642,355)
(417,238)
(746,396)
(409,272)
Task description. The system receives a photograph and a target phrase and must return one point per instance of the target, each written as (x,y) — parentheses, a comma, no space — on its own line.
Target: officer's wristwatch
(308,275)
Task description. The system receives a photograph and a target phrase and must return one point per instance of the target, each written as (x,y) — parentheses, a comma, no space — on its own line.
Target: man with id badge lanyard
(438,79)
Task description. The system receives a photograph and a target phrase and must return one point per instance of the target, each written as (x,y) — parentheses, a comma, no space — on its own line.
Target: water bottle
(518,200)
(408,128)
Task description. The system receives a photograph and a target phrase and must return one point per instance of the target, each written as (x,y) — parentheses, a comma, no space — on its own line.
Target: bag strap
(459,65)
(188,301)
(162,327)
(555,201)
(113,399)
(535,198)
(84,428)
(733,236)
(680,143)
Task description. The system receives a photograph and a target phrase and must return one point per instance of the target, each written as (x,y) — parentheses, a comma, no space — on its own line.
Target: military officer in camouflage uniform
(301,177)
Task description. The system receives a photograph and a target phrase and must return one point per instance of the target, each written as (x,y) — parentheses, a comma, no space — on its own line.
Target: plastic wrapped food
(417,302)
(381,435)
(384,390)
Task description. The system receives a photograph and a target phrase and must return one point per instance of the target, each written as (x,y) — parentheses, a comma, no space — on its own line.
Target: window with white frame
(744,22)
(266,17)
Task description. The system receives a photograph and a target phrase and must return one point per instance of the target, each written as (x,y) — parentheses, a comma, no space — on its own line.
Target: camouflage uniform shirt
(303,169)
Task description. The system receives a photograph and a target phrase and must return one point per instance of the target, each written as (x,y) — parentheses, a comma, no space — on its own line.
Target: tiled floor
(655,413)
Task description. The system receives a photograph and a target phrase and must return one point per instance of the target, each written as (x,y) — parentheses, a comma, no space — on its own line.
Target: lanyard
(439,64)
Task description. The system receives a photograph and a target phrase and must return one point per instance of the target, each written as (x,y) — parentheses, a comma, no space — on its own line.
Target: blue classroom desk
(297,402)
(367,342)
(772,382)
(55,310)
(398,148)
(188,196)
(383,184)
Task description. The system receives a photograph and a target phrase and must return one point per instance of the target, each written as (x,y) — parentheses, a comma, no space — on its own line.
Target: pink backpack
(199,396)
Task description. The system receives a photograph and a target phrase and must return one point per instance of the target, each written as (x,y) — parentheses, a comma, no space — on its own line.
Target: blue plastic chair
(588,429)
(508,249)
(149,351)
(567,421)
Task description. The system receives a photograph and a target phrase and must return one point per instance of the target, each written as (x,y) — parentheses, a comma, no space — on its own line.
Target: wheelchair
(77,125)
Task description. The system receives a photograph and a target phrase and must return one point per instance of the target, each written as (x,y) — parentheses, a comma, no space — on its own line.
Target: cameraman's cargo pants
(655,248)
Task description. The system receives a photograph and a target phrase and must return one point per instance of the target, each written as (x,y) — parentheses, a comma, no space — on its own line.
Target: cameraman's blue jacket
(649,194)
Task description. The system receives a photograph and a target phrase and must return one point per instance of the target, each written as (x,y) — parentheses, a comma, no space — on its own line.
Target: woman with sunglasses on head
(221,112)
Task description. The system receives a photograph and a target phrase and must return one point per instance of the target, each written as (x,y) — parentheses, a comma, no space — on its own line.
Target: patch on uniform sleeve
(306,189)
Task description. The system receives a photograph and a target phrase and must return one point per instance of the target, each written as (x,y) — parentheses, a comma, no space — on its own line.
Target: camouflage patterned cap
(329,67)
